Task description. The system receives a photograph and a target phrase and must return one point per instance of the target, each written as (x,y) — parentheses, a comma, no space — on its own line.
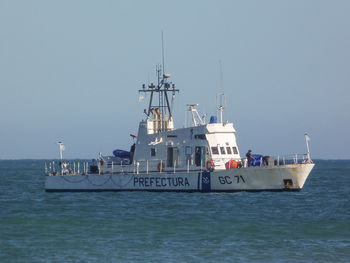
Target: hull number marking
(227,179)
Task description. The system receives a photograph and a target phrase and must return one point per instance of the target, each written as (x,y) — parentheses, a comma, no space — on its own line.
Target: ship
(201,156)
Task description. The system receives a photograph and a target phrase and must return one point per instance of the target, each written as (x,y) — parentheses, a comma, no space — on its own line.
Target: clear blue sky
(70,71)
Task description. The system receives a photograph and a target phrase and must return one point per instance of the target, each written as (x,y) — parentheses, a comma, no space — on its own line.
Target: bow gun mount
(159,109)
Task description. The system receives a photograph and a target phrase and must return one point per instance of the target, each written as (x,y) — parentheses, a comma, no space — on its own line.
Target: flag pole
(307,139)
(61,146)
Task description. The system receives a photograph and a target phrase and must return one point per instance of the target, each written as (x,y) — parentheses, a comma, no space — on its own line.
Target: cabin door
(200,154)
(173,157)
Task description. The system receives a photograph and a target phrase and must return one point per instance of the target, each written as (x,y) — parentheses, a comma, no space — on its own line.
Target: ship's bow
(300,173)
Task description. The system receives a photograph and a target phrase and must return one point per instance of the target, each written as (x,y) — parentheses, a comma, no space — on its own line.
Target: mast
(220,103)
(221,97)
(159,110)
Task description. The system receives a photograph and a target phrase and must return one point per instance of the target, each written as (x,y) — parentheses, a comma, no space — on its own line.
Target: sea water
(308,226)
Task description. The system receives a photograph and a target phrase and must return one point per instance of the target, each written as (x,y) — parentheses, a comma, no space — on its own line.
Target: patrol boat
(202,157)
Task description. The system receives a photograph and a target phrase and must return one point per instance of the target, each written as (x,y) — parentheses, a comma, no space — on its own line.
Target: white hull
(278,178)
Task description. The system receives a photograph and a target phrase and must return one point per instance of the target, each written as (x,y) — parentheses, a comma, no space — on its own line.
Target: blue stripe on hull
(206,187)
(198,182)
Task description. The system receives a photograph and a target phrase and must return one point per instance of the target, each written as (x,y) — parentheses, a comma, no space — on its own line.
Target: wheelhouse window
(153,152)
(214,150)
(200,136)
(222,150)
(228,150)
(235,150)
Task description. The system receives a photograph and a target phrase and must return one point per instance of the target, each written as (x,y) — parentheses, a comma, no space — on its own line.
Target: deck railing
(158,165)
(280,160)
(144,166)
(67,167)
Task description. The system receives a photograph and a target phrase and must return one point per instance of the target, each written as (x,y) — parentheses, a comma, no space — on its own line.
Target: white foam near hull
(278,178)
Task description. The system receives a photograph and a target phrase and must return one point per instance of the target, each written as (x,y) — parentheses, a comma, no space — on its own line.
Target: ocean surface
(308,226)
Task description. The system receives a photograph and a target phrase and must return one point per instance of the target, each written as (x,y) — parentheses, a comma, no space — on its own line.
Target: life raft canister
(209,165)
(160,167)
(231,164)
